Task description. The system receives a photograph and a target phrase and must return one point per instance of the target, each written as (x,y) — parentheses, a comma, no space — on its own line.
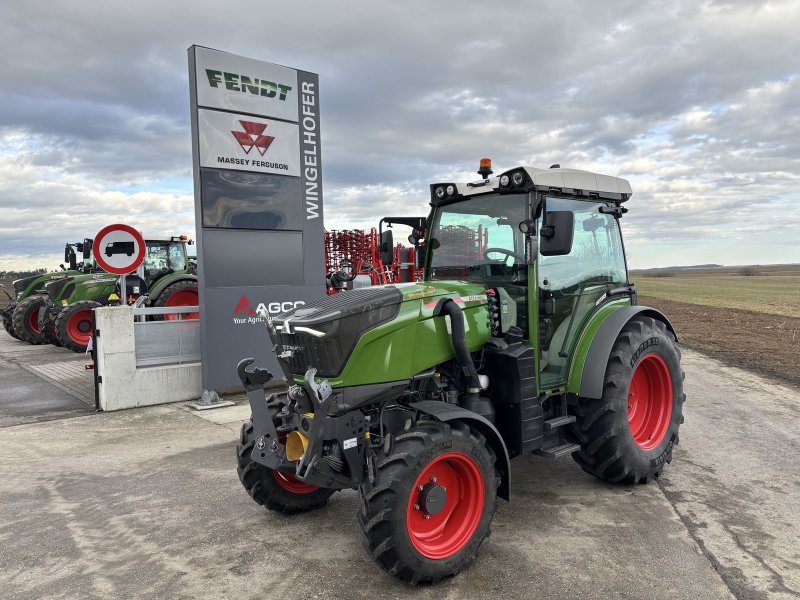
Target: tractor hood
(323,334)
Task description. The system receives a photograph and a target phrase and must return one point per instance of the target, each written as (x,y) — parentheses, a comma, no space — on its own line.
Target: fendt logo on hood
(253,137)
(244,312)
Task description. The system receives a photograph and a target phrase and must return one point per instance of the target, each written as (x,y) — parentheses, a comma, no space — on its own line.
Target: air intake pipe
(463,357)
(472,399)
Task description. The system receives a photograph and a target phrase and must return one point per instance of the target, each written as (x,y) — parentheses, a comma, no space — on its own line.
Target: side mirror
(387,248)
(66,254)
(557,233)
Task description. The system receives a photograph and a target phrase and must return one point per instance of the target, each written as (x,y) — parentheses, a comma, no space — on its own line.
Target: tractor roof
(557,180)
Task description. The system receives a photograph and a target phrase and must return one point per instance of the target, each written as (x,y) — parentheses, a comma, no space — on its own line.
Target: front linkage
(312,446)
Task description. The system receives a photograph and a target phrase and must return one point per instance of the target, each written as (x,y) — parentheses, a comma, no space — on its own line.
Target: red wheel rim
(182,298)
(79,327)
(33,320)
(650,402)
(291,484)
(442,535)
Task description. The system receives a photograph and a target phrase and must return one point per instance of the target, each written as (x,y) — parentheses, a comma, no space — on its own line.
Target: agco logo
(253,137)
(244,312)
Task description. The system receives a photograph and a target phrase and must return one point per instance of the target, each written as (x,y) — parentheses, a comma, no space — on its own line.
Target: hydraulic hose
(459,337)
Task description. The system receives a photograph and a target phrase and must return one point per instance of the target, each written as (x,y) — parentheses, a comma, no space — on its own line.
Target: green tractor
(168,281)
(525,337)
(21,316)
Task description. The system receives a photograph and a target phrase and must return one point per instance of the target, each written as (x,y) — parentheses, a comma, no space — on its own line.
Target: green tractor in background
(20,316)
(525,337)
(169,280)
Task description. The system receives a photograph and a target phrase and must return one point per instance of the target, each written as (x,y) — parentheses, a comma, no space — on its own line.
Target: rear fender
(445,412)
(594,370)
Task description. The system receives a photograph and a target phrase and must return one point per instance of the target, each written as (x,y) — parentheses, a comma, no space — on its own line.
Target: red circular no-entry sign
(119,249)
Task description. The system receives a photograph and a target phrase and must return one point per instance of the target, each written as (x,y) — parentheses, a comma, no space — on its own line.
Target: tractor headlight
(518,177)
(451,189)
(439,191)
(504,180)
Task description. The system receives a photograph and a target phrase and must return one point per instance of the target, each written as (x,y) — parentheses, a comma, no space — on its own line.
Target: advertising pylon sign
(258,203)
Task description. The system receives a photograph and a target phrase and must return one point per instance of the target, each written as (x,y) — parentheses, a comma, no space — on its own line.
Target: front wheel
(431,503)
(74,325)
(9,327)
(281,492)
(628,434)
(25,319)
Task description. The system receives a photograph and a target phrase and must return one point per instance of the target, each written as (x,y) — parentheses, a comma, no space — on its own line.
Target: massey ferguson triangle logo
(244,312)
(253,136)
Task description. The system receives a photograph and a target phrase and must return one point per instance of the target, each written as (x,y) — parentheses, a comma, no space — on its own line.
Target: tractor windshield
(478,240)
(162,258)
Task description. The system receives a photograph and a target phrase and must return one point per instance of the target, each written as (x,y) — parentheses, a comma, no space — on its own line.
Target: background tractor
(524,336)
(169,280)
(21,316)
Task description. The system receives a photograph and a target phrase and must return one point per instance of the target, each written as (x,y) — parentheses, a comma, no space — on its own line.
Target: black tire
(185,285)
(48,328)
(24,315)
(384,503)
(263,485)
(608,447)
(77,341)
(49,334)
(9,327)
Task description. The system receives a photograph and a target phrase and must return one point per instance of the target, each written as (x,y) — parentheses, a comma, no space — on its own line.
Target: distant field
(776,291)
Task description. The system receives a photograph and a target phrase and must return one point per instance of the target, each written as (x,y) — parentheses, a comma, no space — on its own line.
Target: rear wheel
(180,293)
(74,325)
(431,503)
(25,319)
(627,436)
(281,492)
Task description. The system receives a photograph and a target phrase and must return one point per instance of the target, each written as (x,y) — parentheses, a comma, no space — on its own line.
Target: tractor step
(559,451)
(551,424)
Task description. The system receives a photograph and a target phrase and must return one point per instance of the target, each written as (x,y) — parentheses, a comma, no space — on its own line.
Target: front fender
(449,412)
(594,369)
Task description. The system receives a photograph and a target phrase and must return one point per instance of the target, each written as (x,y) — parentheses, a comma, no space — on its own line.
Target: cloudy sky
(697,103)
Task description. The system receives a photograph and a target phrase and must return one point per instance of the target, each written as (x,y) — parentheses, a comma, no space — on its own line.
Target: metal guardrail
(166,342)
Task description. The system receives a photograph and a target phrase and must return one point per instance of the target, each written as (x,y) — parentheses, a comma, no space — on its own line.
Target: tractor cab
(164,256)
(549,238)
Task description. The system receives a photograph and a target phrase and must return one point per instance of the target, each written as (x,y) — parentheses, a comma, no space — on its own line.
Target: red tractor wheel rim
(293,485)
(33,321)
(650,402)
(79,327)
(461,487)
(182,298)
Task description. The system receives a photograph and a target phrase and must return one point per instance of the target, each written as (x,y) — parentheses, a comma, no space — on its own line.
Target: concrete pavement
(146,503)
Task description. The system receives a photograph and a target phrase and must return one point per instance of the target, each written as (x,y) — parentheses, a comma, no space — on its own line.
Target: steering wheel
(509,253)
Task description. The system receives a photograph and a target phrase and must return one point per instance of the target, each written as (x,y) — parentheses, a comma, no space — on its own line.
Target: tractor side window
(571,285)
